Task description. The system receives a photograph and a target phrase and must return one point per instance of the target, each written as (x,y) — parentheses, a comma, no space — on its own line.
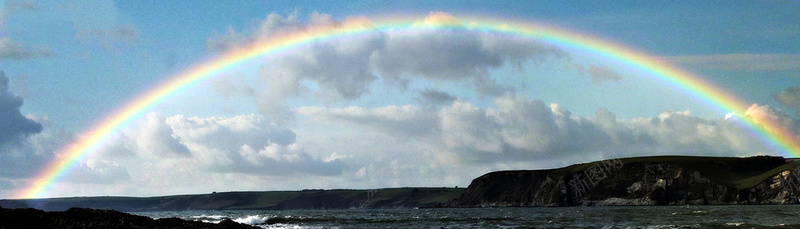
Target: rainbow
(778,138)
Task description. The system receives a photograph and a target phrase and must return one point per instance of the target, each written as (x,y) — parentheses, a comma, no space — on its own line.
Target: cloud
(9,8)
(779,119)
(27,156)
(517,129)
(101,23)
(340,70)
(392,120)
(229,133)
(194,153)
(467,126)
(247,144)
(436,97)
(599,73)
(336,70)
(10,49)
(110,38)
(28,5)
(221,42)
(790,98)
(742,62)
(278,160)
(154,135)
(98,172)
(20,161)
(453,55)
(15,126)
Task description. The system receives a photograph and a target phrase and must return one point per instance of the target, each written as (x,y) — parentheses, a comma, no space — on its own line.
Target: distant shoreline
(639,181)
(407,197)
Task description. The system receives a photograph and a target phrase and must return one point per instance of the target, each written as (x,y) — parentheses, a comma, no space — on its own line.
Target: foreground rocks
(668,180)
(92,218)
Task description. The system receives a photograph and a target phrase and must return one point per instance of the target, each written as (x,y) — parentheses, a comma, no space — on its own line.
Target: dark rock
(93,218)
(668,180)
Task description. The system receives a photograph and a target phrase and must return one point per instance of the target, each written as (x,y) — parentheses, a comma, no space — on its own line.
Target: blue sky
(344,121)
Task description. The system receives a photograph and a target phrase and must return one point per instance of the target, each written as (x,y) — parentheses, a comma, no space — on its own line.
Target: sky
(383,109)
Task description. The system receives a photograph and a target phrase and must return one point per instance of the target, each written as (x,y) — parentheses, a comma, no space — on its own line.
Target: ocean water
(764,216)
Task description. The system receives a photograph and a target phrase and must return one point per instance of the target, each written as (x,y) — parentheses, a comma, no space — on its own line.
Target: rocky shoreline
(93,218)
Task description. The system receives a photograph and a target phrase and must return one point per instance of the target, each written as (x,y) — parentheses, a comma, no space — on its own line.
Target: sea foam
(252,220)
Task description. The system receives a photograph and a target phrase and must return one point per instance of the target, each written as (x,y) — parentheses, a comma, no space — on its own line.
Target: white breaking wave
(216,217)
(287,226)
(252,220)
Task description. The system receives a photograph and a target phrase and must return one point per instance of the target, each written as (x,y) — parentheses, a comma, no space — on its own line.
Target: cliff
(664,180)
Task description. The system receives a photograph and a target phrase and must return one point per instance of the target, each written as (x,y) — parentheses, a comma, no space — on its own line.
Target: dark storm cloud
(13,124)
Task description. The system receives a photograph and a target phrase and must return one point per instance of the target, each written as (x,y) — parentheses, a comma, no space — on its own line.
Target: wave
(252,220)
(215,217)
(692,213)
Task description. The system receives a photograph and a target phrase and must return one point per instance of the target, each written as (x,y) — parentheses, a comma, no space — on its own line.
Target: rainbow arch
(778,138)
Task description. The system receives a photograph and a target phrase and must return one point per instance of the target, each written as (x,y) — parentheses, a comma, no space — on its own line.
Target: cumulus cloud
(240,144)
(343,70)
(10,49)
(14,124)
(518,129)
(229,133)
(339,69)
(452,55)
(785,124)
(95,171)
(154,136)
(193,153)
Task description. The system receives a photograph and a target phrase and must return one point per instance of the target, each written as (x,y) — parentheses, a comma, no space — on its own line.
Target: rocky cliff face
(642,181)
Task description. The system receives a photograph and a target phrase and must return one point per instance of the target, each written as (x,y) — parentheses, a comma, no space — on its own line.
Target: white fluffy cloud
(98,172)
(520,129)
(239,144)
(179,154)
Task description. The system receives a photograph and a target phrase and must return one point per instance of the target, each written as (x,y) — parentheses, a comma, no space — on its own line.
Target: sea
(737,216)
